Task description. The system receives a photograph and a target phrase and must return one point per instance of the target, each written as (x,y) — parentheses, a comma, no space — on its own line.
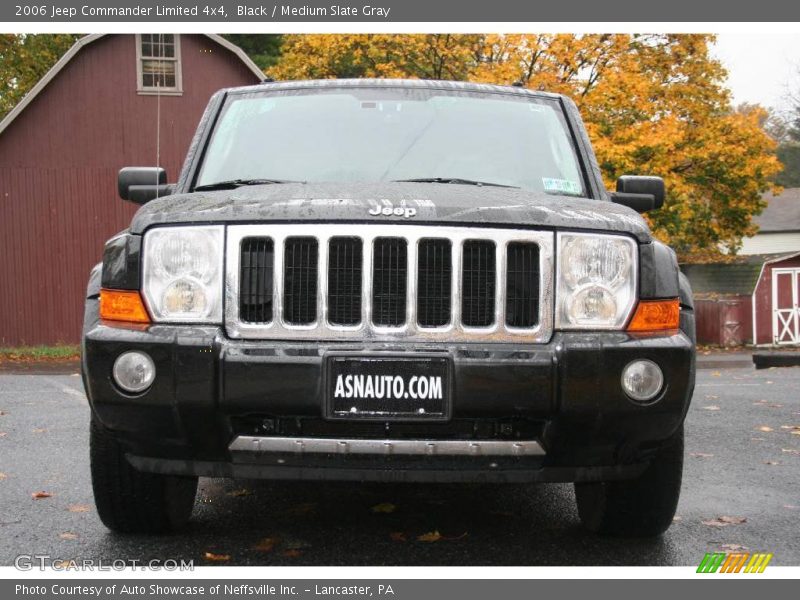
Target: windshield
(372,135)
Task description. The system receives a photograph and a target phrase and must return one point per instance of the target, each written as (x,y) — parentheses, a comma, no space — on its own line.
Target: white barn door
(786,306)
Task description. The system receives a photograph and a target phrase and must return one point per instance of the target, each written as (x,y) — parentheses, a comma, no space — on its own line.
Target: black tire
(130,501)
(641,507)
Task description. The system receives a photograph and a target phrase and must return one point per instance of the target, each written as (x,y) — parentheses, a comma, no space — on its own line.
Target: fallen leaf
(711,397)
(711,407)
(39,430)
(302,509)
(769,382)
(431,536)
(795,432)
(384,507)
(676,518)
(765,428)
(792,427)
(2,414)
(724,521)
(266,545)
(217,557)
(3,434)
(771,462)
(791,451)
(398,536)
(296,544)
(716,374)
(40,495)
(700,455)
(239,493)
(3,476)
(79,508)
(68,535)
(292,553)
(733,547)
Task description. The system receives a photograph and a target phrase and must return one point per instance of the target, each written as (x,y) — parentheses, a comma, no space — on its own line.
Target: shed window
(158,63)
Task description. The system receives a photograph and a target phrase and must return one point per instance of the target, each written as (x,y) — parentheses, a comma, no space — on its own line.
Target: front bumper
(213,396)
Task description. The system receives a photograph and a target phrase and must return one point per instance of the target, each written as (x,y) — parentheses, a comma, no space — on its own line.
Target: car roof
(430,84)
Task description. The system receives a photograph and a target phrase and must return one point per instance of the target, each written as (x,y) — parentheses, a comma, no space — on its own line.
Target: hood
(432,203)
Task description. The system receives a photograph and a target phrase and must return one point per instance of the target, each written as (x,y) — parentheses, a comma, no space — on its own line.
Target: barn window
(158,63)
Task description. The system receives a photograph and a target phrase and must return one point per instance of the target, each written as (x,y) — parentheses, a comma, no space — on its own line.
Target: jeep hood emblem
(389,210)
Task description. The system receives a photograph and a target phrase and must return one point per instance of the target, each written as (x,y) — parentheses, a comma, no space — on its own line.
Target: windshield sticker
(563,186)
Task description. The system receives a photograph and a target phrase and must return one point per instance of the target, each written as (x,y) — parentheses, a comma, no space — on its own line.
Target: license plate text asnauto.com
(389,387)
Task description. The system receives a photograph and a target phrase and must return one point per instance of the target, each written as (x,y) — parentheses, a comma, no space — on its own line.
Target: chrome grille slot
(522,284)
(388,283)
(256,277)
(344,281)
(434,281)
(478,283)
(300,280)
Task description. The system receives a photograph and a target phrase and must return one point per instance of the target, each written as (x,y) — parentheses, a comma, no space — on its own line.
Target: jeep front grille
(393,283)
(389,281)
(434,282)
(477,287)
(344,280)
(522,289)
(255,280)
(300,280)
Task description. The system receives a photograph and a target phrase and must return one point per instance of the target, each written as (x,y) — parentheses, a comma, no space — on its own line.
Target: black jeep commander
(395,281)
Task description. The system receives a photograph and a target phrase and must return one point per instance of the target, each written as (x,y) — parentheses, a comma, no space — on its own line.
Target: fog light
(642,380)
(134,371)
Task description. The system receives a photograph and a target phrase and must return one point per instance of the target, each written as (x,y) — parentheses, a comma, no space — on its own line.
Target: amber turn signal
(656,315)
(122,305)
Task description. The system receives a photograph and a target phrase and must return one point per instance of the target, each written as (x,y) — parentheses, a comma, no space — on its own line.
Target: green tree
(789,155)
(789,149)
(24,60)
(263,49)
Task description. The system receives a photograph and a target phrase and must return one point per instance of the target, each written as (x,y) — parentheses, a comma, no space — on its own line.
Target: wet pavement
(742,460)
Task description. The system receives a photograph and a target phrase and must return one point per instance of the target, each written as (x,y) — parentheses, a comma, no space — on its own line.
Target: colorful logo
(734,562)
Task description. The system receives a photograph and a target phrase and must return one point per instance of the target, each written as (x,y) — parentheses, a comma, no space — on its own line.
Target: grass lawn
(39,353)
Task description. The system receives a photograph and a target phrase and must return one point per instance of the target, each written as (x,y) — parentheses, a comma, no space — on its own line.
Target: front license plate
(385,388)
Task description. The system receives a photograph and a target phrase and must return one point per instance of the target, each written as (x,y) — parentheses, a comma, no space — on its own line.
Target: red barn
(99,108)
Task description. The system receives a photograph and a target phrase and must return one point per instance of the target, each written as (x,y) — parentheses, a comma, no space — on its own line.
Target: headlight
(183,274)
(596,281)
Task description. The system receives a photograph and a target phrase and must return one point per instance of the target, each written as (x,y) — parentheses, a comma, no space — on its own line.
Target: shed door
(786,306)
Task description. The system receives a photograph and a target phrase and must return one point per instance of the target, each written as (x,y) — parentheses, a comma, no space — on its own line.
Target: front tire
(641,507)
(130,501)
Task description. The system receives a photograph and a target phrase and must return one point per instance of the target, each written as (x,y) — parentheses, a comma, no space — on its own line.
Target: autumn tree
(653,104)
(24,59)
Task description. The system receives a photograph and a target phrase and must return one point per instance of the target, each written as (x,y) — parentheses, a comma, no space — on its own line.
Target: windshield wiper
(232,184)
(456,180)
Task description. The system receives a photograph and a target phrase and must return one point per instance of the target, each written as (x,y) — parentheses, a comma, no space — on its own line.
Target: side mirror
(640,193)
(142,184)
